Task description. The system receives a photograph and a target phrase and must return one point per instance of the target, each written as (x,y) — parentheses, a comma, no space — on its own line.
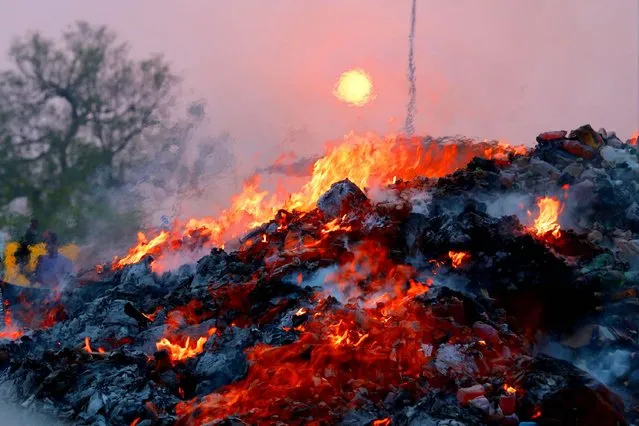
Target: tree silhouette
(76,116)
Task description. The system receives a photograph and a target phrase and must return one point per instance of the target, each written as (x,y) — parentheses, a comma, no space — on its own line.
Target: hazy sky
(503,69)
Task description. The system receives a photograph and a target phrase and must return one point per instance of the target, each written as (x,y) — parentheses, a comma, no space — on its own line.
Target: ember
(87,346)
(457,257)
(365,160)
(179,352)
(342,307)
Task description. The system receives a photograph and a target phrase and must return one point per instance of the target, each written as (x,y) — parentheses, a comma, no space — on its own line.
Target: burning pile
(407,282)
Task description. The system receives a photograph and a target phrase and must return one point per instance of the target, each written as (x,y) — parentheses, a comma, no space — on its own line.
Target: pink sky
(501,69)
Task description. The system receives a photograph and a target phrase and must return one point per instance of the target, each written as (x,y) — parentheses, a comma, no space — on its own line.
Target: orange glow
(546,222)
(509,389)
(10,330)
(135,422)
(457,257)
(152,315)
(536,415)
(367,160)
(87,346)
(179,352)
(355,87)
(379,347)
(144,248)
(634,138)
(381,422)
(300,312)
(335,225)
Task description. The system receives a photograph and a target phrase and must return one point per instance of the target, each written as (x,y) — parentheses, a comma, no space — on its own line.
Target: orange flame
(178,352)
(335,225)
(546,222)
(509,389)
(457,257)
(190,349)
(87,346)
(11,331)
(367,160)
(152,315)
(135,421)
(381,422)
(634,138)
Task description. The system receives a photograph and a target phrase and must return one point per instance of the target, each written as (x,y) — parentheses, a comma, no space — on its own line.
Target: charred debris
(445,303)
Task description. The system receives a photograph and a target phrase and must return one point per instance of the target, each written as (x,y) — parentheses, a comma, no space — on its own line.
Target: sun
(355,87)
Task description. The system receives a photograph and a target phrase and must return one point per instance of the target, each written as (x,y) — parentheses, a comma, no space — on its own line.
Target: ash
(453,309)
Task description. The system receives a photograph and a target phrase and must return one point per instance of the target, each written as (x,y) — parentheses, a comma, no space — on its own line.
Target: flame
(380,348)
(355,87)
(335,225)
(144,248)
(381,422)
(367,160)
(509,389)
(300,312)
(135,421)
(87,346)
(152,315)
(536,414)
(457,257)
(179,352)
(10,330)
(546,222)
(634,138)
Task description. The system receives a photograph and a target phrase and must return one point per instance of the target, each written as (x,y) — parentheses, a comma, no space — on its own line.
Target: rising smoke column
(410,113)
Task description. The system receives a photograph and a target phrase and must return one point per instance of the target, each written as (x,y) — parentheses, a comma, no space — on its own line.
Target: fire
(144,248)
(179,352)
(380,348)
(381,422)
(10,330)
(355,87)
(87,346)
(152,315)
(509,389)
(135,421)
(546,222)
(300,312)
(457,257)
(335,225)
(634,138)
(367,160)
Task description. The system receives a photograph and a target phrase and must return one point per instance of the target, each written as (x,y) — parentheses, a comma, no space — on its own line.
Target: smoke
(14,415)
(510,204)
(412,88)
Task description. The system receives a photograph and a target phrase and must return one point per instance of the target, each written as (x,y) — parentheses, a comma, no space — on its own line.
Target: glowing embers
(10,330)
(547,221)
(342,350)
(87,347)
(182,351)
(355,87)
(178,346)
(336,225)
(367,160)
(458,257)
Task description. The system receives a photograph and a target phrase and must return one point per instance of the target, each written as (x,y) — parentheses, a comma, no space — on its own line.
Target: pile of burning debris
(500,293)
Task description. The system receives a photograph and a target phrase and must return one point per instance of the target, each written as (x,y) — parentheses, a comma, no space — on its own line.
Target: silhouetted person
(31,237)
(52,268)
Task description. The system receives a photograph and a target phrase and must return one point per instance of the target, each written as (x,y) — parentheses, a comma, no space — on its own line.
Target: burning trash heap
(478,283)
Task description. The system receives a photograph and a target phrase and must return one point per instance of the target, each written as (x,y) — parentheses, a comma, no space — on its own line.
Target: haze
(499,69)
